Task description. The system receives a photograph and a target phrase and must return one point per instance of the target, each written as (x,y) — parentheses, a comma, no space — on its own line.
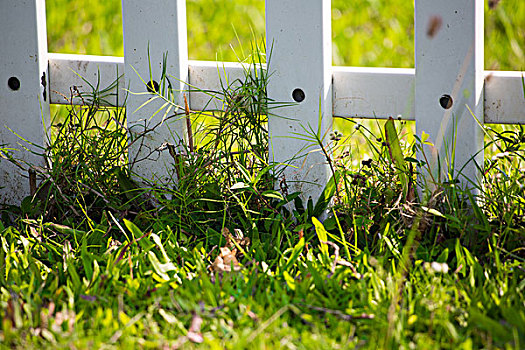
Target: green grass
(219,261)
(93,260)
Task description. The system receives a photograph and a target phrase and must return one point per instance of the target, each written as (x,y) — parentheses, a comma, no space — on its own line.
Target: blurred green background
(370,33)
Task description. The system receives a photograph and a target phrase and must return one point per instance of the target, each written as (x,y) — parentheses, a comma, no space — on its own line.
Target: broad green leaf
(239,185)
(159,244)
(289,280)
(327,194)
(432,211)
(424,138)
(75,278)
(322,234)
(296,252)
(161,269)
(273,194)
(86,258)
(65,229)
(443,256)
(135,231)
(171,319)
(395,154)
(482,321)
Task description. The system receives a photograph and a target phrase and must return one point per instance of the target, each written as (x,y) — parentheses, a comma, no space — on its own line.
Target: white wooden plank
(376,93)
(298,43)
(24,91)
(82,71)
(449,62)
(504,97)
(379,93)
(211,77)
(360,92)
(160,27)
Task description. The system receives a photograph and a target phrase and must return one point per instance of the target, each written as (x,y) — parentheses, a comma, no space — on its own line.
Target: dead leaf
(239,238)
(236,241)
(252,315)
(188,125)
(225,261)
(32,182)
(348,264)
(194,333)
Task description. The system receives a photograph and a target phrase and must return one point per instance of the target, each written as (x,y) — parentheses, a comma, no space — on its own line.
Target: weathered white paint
(212,77)
(449,60)
(504,97)
(298,44)
(23,57)
(68,72)
(360,92)
(160,26)
(376,93)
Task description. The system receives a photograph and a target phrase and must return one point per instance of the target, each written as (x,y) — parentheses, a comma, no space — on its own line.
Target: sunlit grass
(220,259)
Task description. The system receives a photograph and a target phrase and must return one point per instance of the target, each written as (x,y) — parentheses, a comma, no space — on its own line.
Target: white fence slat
(24,91)
(161,26)
(449,62)
(298,46)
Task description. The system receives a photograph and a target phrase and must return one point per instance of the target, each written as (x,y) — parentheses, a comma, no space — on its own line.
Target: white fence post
(24,92)
(449,82)
(299,46)
(160,26)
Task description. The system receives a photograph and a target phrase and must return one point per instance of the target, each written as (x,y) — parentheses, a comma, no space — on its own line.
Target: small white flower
(439,267)
(500,155)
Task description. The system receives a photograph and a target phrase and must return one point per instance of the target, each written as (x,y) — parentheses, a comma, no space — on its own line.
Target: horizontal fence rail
(359,92)
(446,87)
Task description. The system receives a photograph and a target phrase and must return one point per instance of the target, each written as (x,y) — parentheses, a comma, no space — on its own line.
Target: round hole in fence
(446,101)
(13,83)
(298,95)
(152,86)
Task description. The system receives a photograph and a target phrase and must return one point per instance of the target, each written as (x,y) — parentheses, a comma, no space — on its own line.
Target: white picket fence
(447,87)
